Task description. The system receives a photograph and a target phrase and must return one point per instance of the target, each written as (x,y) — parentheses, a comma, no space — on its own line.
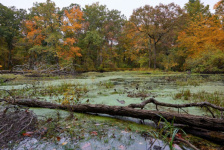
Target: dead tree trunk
(206,124)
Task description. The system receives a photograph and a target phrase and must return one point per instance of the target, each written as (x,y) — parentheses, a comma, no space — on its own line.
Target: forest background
(94,38)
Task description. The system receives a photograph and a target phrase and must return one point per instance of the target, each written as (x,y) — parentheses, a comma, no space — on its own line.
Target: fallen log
(212,126)
(204,122)
(216,137)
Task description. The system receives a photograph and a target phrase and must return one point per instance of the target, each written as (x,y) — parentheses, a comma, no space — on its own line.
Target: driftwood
(211,127)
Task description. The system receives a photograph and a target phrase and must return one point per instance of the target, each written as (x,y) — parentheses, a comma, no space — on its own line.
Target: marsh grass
(191,82)
(216,97)
(215,77)
(106,85)
(166,132)
(185,94)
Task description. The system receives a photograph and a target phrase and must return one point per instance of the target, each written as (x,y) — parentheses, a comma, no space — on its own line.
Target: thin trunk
(154,50)
(150,47)
(10,56)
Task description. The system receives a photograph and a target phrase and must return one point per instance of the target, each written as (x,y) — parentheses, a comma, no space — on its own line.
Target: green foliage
(107,85)
(143,61)
(167,132)
(195,7)
(211,60)
(10,25)
(168,61)
(97,38)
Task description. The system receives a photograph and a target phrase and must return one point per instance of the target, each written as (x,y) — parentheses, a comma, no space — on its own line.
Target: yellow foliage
(205,31)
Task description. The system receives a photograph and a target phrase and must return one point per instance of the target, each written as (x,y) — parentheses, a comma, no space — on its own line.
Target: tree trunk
(10,57)
(208,123)
(149,51)
(154,51)
(207,127)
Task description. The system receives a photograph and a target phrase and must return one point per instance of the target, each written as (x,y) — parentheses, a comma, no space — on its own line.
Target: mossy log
(212,126)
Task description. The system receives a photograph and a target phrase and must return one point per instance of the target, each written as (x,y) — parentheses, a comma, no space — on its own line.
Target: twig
(9,92)
(3,126)
(184,111)
(211,112)
(26,125)
(6,130)
(186,142)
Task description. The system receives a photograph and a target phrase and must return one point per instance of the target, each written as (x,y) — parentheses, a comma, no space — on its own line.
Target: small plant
(168,131)
(185,94)
(108,84)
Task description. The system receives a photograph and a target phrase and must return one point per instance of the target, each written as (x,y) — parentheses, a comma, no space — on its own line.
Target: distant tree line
(166,37)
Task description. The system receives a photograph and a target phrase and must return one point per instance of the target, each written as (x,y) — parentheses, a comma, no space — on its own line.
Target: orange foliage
(206,31)
(34,34)
(218,4)
(71,24)
(72,20)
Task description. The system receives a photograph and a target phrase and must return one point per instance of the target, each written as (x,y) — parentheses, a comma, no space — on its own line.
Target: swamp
(66,129)
(81,75)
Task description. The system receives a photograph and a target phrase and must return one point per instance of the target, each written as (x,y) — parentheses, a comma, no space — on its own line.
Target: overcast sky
(125,6)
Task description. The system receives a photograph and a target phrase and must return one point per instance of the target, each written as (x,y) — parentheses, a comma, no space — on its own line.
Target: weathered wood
(205,127)
(208,123)
(152,100)
(216,137)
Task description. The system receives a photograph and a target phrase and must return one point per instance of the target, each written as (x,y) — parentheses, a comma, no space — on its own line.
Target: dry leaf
(27,133)
(58,138)
(94,133)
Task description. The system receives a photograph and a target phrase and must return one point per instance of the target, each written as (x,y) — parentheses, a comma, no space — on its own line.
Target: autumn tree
(156,22)
(219,10)
(134,47)
(42,33)
(202,42)
(71,23)
(51,33)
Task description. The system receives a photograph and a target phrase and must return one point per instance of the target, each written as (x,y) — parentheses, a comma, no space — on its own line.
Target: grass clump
(190,81)
(185,94)
(107,85)
(215,98)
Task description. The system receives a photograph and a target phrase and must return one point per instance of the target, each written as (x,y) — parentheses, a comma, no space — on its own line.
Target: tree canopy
(94,38)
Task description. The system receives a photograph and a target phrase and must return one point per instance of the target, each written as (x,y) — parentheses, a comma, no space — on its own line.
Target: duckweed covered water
(111,88)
